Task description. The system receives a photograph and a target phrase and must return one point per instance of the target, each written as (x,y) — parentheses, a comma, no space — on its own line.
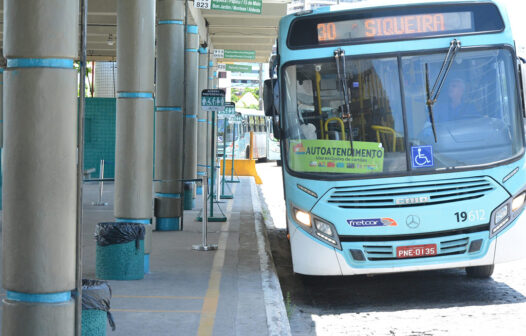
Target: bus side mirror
(268,98)
(276,129)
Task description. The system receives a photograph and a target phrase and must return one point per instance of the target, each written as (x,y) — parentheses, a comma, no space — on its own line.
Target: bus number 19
(326,31)
(473,215)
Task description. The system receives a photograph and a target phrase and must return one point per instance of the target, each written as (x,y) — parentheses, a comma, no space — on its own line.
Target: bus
(402,137)
(255,122)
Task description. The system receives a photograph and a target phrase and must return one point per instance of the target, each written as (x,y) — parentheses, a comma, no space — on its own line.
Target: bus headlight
(501,214)
(326,232)
(518,202)
(317,227)
(507,212)
(302,217)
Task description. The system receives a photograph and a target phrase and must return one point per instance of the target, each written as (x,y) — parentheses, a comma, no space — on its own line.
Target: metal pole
(204,246)
(218,187)
(212,164)
(101,183)
(80,164)
(224,156)
(233,151)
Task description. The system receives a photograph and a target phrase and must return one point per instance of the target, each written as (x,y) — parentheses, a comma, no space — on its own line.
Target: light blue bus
(402,137)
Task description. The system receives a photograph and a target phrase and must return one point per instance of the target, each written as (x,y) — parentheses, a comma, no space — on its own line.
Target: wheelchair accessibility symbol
(422,156)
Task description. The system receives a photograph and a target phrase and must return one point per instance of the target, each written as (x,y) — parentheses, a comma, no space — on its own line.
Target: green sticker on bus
(336,156)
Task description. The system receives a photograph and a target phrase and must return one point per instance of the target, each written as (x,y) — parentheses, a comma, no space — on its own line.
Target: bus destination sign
(396,27)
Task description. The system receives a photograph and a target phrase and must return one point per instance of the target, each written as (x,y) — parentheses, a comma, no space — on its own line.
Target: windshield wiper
(432,95)
(339,55)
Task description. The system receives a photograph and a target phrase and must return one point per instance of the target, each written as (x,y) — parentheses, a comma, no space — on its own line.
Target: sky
(516,12)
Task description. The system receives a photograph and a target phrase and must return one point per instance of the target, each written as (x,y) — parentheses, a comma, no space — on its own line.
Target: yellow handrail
(318,93)
(342,126)
(385,130)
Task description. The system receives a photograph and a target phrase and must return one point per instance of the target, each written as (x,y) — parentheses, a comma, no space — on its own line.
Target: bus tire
(480,272)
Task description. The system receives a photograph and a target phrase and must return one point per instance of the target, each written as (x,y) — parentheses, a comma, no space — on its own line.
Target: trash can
(96,297)
(120,251)
(189,202)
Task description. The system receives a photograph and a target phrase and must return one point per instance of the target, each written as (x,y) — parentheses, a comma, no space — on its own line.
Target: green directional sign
(229,111)
(238,68)
(240,54)
(245,6)
(213,100)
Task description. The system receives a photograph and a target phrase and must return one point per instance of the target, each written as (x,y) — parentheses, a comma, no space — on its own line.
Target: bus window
(313,115)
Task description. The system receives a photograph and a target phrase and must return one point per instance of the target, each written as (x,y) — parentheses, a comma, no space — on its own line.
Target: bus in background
(401,129)
(249,121)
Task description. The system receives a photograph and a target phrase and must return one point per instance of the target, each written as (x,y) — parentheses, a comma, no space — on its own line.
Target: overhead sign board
(213,100)
(237,54)
(244,6)
(221,66)
(229,111)
(238,68)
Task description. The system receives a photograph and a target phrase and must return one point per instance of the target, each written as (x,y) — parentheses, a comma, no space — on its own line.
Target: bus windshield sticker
(371,222)
(336,156)
(422,156)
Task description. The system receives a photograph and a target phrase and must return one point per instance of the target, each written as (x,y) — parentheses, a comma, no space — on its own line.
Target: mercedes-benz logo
(412,221)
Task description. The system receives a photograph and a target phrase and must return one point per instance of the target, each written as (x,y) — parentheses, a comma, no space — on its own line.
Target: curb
(277,320)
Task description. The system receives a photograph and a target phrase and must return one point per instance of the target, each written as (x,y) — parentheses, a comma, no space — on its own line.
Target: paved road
(422,303)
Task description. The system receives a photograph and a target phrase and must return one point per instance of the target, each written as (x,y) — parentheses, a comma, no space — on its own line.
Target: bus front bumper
(313,257)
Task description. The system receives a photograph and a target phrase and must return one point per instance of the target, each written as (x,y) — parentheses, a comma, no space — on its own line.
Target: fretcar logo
(371,222)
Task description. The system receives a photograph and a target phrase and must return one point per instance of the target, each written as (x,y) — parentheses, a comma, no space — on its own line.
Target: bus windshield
(389,130)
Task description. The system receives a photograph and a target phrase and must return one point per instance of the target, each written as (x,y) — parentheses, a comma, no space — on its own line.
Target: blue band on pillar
(41,298)
(178,22)
(203,50)
(147,95)
(203,67)
(133,220)
(61,63)
(163,195)
(192,29)
(211,64)
(202,165)
(202,120)
(146,263)
(190,50)
(191,116)
(210,77)
(165,108)
(201,173)
(167,224)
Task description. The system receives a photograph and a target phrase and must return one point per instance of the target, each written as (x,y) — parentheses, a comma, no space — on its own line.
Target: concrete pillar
(202,121)
(40,177)
(169,114)
(134,127)
(191,104)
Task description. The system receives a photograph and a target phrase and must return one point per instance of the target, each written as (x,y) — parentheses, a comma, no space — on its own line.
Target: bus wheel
(480,272)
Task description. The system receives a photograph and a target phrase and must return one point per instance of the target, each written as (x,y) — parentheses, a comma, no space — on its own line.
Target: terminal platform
(231,291)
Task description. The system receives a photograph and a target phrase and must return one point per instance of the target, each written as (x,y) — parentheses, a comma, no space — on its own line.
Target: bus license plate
(416,251)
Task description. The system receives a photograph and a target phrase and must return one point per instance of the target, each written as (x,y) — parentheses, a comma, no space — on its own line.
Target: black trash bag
(119,233)
(96,294)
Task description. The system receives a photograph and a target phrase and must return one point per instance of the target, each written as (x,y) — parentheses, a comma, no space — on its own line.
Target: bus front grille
(410,194)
